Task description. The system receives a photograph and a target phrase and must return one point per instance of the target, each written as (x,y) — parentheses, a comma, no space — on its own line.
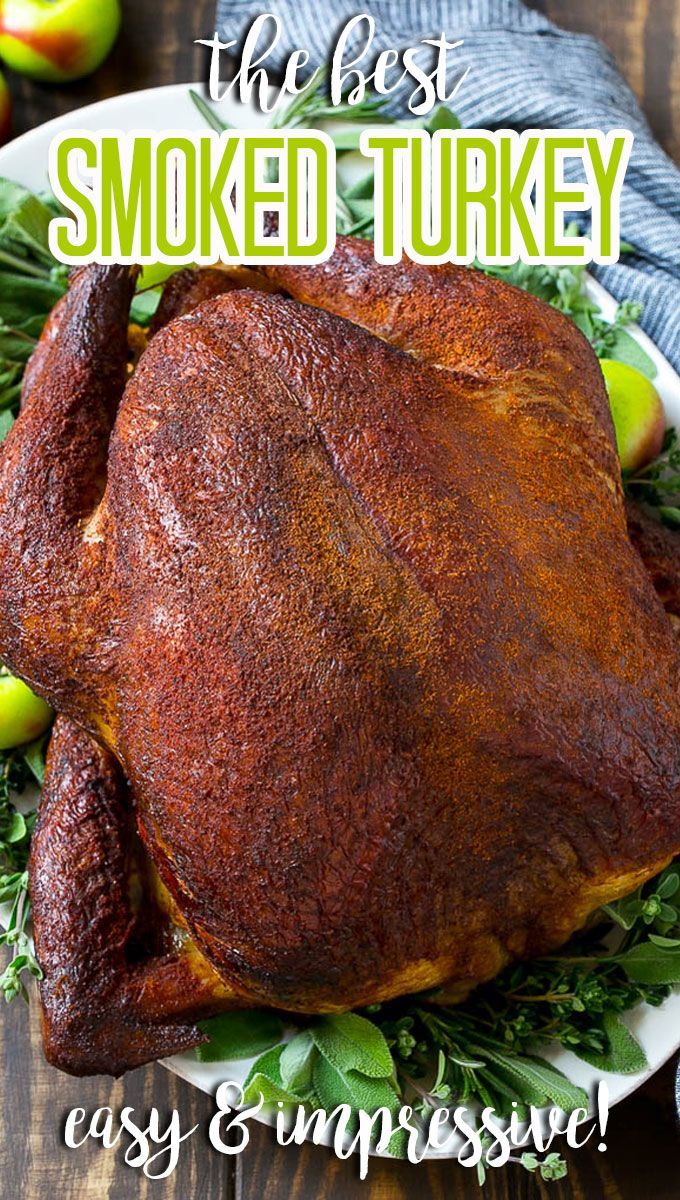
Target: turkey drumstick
(120,984)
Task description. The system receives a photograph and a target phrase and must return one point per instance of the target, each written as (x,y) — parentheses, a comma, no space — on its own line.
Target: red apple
(57,40)
(5,111)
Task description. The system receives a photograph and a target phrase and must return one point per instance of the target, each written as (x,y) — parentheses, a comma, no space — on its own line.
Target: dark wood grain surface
(643,1157)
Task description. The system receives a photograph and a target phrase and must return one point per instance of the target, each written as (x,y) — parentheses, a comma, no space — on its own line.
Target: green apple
(23,716)
(637,412)
(5,111)
(56,41)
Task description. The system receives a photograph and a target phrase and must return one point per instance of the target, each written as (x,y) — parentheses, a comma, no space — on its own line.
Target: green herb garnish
(18,768)
(658,484)
(484,1050)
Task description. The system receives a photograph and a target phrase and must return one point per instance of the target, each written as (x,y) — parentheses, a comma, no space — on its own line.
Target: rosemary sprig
(310,107)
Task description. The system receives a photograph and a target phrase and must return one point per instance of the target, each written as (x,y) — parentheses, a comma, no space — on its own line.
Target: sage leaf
(144,305)
(297,1061)
(625,349)
(649,962)
(241,1034)
(442,118)
(668,885)
(15,344)
(6,423)
(12,196)
(498,1089)
(362,210)
(27,225)
(363,189)
(264,1079)
(353,1043)
(16,830)
(22,297)
(345,139)
(623,1055)
(334,1087)
(538,1082)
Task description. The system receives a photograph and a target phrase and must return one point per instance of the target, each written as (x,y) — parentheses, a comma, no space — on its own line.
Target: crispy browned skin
(187,289)
(359,617)
(118,988)
(659,549)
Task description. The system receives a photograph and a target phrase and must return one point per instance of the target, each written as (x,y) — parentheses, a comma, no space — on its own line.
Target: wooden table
(643,1160)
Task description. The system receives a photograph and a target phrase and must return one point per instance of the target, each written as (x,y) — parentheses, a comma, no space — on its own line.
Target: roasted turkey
(363,688)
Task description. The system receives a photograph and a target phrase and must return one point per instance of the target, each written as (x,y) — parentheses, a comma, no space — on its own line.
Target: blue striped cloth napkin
(524,73)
